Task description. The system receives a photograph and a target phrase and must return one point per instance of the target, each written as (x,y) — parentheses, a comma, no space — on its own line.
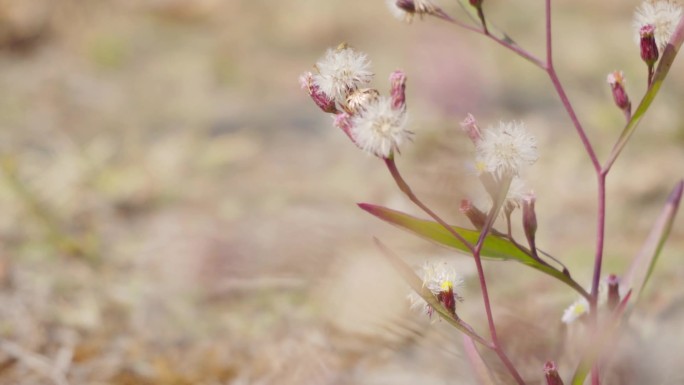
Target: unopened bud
(613,291)
(398,90)
(476,3)
(358,99)
(343,121)
(551,374)
(475,215)
(418,7)
(649,48)
(469,125)
(529,218)
(323,101)
(616,79)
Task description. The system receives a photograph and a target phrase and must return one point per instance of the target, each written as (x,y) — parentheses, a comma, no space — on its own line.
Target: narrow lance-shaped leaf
(494,247)
(642,265)
(416,284)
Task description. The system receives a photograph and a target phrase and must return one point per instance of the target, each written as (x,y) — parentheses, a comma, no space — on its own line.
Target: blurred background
(175,210)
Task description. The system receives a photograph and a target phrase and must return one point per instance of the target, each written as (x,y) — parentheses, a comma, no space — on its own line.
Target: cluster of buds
(654,23)
(375,123)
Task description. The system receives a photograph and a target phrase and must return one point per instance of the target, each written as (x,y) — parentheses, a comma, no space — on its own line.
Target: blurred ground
(176,211)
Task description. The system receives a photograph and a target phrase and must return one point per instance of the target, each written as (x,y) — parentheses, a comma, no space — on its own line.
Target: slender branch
(475,250)
(551,71)
(506,43)
(404,187)
(509,365)
(600,229)
(666,60)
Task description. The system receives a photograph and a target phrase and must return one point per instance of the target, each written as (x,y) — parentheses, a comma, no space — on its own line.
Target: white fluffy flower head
(341,71)
(575,311)
(379,129)
(505,150)
(437,277)
(661,14)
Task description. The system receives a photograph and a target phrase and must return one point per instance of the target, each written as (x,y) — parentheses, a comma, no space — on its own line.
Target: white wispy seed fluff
(662,14)
(506,149)
(379,129)
(341,71)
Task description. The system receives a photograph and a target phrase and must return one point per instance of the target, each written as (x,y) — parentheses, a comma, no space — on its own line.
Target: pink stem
(475,250)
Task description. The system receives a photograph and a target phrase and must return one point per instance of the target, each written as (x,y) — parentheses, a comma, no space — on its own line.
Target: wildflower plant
(377,123)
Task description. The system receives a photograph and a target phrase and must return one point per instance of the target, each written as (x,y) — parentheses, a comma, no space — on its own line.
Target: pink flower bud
(476,217)
(407,5)
(551,374)
(529,218)
(616,79)
(406,9)
(469,125)
(398,81)
(324,102)
(613,291)
(649,48)
(343,121)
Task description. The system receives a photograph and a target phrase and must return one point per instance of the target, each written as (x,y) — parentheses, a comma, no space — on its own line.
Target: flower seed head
(505,150)
(380,129)
(358,99)
(663,15)
(342,71)
(442,281)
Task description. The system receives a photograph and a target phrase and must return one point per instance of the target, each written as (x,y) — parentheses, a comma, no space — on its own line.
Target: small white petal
(575,311)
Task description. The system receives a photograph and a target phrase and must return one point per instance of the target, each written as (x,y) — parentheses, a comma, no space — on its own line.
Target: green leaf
(416,284)
(494,247)
(643,263)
